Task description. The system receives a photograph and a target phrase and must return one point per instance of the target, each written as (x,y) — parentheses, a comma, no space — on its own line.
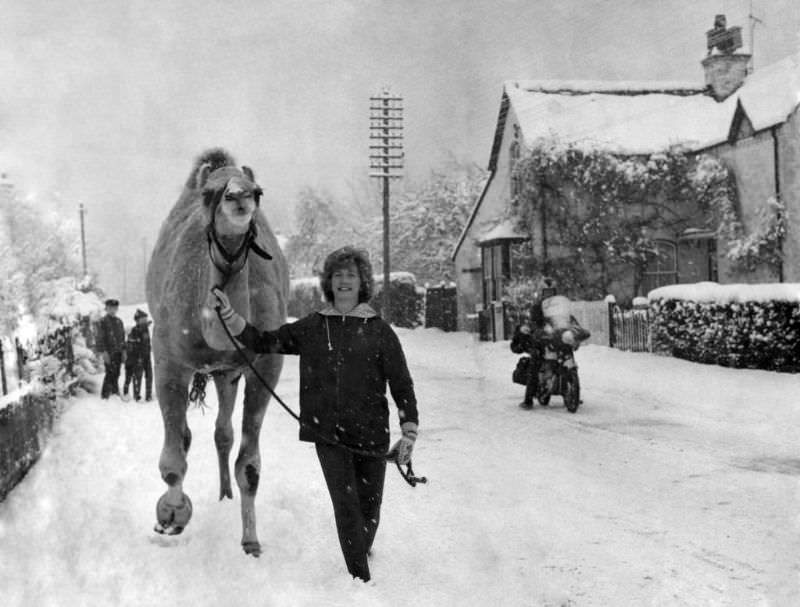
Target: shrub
(407,300)
(743,326)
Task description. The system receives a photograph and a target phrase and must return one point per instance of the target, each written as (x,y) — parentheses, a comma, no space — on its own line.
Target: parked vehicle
(558,373)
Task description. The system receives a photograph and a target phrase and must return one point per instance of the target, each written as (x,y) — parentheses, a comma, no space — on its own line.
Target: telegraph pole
(82,212)
(385,158)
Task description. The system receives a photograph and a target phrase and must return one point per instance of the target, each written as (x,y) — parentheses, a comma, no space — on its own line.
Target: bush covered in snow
(752,326)
(407,299)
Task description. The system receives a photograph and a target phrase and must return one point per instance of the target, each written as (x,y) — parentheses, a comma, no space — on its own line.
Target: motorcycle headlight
(568,337)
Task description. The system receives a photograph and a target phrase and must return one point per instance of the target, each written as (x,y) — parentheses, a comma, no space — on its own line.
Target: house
(749,120)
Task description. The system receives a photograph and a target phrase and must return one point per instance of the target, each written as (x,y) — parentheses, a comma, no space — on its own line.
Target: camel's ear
(249,173)
(202,175)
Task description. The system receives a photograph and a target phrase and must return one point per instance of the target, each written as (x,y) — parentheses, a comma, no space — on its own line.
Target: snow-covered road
(674,484)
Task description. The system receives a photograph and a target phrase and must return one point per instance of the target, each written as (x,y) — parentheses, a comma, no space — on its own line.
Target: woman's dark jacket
(345,364)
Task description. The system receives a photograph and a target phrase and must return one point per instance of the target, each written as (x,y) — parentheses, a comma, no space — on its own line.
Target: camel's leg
(248,462)
(174,509)
(226,384)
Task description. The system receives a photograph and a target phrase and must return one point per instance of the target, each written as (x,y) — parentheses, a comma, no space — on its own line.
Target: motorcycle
(558,373)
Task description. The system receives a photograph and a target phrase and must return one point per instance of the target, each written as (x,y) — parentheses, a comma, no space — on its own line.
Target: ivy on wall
(762,246)
(603,213)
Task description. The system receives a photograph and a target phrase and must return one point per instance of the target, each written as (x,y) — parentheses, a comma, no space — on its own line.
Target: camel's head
(231,197)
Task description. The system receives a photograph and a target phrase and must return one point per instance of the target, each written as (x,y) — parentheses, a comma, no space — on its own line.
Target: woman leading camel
(347,356)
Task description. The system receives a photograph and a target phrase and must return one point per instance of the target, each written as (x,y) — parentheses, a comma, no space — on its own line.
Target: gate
(441,308)
(629,329)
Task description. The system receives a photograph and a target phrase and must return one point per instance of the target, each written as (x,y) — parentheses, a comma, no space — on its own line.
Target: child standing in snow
(347,356)
(137,362)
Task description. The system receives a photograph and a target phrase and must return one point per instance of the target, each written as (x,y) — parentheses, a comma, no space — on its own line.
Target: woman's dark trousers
(355,484)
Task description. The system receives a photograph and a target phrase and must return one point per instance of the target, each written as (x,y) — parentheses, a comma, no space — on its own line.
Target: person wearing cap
(110,344)
(137,361)
(348,355)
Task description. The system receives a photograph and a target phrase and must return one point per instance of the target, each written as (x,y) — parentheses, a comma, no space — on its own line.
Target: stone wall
(24,428)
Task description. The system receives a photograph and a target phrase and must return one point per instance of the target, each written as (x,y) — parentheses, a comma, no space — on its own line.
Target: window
(662,267)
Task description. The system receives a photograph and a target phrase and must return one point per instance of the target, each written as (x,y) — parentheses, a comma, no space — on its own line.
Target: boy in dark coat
(347,356)
(110,345)
(137,359)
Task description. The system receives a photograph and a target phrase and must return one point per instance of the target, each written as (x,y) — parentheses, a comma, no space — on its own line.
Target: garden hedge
(742,326)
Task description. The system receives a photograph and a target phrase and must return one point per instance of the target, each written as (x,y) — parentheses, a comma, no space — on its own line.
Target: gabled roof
(645,117)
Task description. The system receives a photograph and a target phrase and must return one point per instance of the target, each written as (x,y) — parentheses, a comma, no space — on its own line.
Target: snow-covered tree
(36,246)
(323,224)
(429,217)
(425,218)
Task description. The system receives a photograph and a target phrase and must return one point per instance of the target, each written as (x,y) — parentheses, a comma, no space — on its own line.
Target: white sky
(108,103)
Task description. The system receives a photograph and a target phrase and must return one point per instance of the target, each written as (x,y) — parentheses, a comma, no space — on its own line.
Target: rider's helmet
(547,287)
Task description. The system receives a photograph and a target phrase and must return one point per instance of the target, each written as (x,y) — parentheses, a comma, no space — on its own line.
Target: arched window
(662,267)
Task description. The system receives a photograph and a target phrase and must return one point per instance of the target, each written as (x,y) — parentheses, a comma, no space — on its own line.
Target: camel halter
(248,243)
(407,474)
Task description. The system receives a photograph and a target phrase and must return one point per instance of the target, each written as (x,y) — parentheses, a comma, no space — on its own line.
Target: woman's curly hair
(341,258)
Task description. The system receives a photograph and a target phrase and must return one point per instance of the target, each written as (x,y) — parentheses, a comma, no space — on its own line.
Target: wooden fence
(630,329)
(593,316)
(610,325)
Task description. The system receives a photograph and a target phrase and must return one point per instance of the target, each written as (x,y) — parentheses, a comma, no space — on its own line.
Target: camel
(215,235)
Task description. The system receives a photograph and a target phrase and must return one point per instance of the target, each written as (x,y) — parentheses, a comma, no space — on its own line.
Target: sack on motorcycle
(522,372)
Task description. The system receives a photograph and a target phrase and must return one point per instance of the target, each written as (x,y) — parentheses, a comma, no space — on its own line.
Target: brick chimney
(725,69)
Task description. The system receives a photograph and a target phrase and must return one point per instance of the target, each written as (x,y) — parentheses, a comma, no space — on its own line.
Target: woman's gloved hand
(402,449)
(230,317)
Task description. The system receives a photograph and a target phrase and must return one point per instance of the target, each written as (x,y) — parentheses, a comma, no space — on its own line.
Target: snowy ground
(674,484)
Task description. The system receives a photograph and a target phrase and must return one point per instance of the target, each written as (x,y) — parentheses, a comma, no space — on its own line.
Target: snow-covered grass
(674,484)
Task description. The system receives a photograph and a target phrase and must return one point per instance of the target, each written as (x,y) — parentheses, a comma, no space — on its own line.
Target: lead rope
(408,474)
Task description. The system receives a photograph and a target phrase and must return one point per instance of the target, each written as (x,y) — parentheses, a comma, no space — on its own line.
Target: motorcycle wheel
(543,394)
(572,396)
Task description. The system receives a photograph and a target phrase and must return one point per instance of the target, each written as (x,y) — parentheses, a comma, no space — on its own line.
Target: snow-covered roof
(639,123)
(503,231)
(646,117)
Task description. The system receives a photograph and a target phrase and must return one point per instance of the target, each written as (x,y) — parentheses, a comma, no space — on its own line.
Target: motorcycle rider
(549,313)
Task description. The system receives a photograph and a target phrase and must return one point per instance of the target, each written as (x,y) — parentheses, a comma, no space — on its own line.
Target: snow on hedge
(722,294)
(397,277)
(63,299)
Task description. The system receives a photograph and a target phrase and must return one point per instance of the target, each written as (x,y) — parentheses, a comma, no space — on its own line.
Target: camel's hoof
(172,519)
(252,548)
